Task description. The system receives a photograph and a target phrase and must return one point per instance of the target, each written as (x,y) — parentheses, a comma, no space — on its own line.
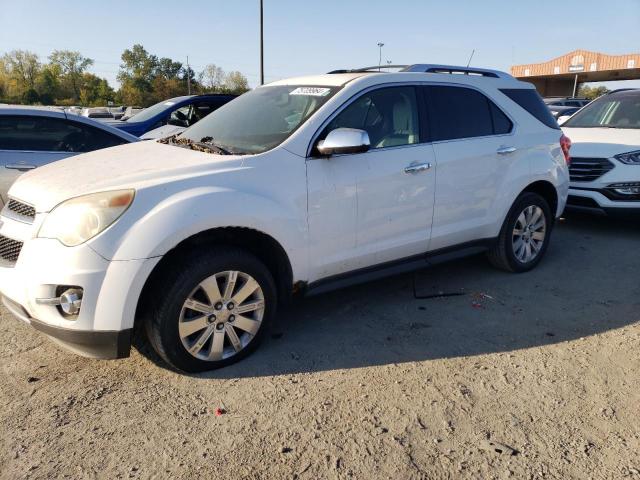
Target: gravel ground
(522,376)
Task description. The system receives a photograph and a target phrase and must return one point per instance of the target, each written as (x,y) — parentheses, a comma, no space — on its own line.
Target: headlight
(77,220)
(630,158)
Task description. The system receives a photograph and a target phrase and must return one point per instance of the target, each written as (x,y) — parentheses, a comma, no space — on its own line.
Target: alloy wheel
(221,315)
(529,233)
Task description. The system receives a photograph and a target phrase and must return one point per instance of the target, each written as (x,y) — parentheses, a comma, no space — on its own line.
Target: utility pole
(380,45)
(261,45)
(188,77)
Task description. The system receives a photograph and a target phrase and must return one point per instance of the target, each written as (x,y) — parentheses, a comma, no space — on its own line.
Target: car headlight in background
(77,220)
(630,158)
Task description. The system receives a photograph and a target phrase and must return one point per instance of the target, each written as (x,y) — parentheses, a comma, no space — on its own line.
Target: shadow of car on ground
(586,285)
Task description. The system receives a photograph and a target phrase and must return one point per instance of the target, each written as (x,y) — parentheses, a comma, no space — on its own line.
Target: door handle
(417,167)
(23,167)
(506,150)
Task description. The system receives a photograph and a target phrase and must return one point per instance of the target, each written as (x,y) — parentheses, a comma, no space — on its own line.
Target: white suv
(300,186)
(605,165)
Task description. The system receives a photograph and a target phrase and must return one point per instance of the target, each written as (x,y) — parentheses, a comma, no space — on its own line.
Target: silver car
(34,136)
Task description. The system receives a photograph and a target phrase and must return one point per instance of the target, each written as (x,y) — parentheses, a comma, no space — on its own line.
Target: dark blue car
(179,112)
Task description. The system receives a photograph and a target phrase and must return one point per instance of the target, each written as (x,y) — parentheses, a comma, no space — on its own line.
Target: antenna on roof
(469,62)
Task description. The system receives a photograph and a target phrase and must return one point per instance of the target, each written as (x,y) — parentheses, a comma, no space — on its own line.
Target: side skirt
(395,267)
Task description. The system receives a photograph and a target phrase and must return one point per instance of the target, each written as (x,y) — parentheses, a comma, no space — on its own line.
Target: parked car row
(297,187)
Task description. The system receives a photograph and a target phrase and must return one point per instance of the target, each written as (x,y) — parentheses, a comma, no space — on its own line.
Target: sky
(305,37)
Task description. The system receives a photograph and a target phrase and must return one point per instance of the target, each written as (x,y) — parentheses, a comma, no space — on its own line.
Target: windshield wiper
(201,146)
(208,141)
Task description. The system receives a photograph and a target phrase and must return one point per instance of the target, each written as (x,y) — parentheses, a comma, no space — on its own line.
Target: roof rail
(452,69)
(431,68)
(376,68)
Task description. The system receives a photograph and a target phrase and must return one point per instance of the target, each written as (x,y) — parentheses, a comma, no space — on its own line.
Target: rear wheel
(213,311)
(525,234)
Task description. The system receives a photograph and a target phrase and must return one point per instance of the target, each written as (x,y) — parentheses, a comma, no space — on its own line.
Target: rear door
(474,146)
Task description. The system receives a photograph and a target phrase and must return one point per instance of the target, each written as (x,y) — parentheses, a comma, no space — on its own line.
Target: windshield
(611,111)
(153,110)
(261,119)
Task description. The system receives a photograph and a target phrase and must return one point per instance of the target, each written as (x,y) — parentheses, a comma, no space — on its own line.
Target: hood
(163,132)
(602,142)
(135,165)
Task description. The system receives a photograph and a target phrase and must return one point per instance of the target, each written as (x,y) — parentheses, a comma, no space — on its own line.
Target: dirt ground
(523,376)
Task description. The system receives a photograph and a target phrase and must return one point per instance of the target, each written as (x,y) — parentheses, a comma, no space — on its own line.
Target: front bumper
(111,289)
(94,344)
(597,202)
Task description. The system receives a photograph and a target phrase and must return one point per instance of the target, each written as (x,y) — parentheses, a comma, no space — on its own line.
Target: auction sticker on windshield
(313,91)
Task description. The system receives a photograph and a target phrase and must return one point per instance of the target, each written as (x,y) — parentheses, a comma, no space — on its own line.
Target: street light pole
(261,45)
(380,45)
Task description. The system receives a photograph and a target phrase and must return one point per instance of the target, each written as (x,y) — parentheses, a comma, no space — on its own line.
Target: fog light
(626,188)
(71,300)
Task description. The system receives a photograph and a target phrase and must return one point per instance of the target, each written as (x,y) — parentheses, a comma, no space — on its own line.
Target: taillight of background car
(565,146)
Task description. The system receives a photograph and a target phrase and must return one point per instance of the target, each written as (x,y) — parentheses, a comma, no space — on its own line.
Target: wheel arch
(547,191)
(263,246)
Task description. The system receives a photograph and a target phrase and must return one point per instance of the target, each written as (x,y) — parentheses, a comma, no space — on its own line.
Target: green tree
(48,84)
(23,68)
(95,91)
(72,65)
(168,69)
(591,92)
(236,82)
(137,73)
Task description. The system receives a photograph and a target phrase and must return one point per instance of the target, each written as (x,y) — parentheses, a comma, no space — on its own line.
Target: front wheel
(524,236)
(212,310)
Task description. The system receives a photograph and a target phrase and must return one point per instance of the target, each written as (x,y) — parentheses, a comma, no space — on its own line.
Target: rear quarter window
(532,102)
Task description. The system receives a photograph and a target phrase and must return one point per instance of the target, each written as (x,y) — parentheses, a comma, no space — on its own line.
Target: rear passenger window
(501,124)
(46,134)
(458,112)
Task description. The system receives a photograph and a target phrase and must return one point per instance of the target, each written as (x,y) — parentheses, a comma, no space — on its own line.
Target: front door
(370,208)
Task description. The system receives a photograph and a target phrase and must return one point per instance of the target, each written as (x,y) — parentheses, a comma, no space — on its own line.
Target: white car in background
(605,156)
(34,136)
(300,186)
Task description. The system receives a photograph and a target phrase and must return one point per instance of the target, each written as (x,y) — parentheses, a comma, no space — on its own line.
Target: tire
(507,254)
(191,329)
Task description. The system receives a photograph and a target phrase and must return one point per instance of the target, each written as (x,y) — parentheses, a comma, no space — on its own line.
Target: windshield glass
(261,119)
(153,110)
(611,111)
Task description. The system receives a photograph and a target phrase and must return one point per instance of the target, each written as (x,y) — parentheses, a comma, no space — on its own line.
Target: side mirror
(344,140)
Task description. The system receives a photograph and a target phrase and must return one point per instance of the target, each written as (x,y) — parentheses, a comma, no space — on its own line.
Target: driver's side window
(388,115)
(180,116)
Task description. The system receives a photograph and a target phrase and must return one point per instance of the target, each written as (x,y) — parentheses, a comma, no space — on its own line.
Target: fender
(188,212)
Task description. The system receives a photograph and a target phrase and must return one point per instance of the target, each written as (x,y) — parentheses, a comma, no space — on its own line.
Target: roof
(31,110)
(328,80)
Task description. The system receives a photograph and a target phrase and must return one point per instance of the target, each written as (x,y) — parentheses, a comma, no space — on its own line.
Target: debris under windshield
(206,145)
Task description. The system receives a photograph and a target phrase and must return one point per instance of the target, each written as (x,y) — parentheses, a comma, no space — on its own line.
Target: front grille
(588,169)
(9,250)
(20,209)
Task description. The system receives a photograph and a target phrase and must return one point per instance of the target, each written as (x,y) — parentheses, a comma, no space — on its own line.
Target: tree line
(144,79)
